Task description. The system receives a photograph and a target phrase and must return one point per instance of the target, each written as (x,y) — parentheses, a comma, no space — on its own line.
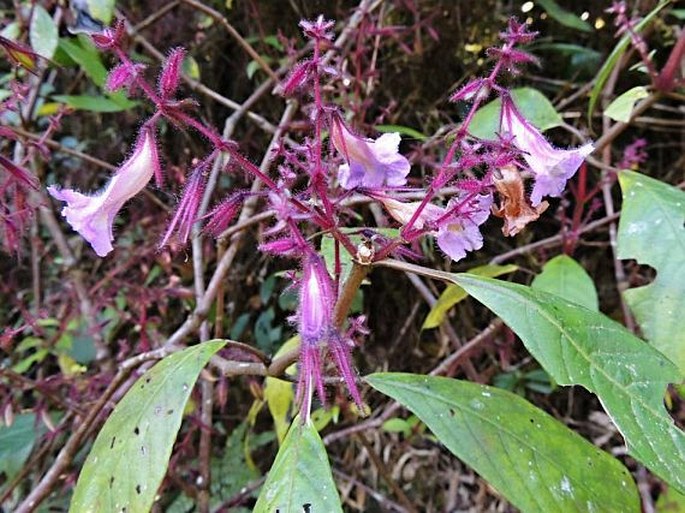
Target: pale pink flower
(456,227)
(552,166)
(93,216)
(370,163)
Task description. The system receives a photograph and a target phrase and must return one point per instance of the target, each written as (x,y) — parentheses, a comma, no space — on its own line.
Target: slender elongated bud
(316,301)
(186,212)
(171,73)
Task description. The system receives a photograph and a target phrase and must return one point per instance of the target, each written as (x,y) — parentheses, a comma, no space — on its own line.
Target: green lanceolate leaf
(535,461)
(564,277)
(578,346)
(94,103)
(533,105)
(566,18)
(83,53)
(43,33)
(407,131)
(454,294)
(130,455)
(615,56)
(652,231)
(300,478)
(622,107)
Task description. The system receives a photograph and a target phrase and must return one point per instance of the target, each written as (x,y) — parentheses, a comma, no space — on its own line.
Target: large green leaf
(454,294)
(535,461)
(300,478)
(615,57)
(16,443)
(564,277)
(533,105)
(578,346)
(130,455)
(652,231)
(43,32)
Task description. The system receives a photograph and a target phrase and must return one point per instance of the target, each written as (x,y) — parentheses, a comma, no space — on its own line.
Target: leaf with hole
(531,458)
(130,455)
(579,346)
(652,231)
(300,479)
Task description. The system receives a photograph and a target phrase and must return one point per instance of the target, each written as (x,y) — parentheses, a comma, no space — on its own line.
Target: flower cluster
(317,178)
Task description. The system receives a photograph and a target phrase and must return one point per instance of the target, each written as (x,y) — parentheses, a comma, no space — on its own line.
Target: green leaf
(651,230)
(87,57)
(564,277)
(412,133)
(533,105)
(43,32)
(615,56)
(101,10)
(579,346)
(454,294)
(534,460)
(191,68)
(94,103)
(670,501)
(16,443)
(566,18)
(279,393)
(130,455)
(300,476)
(622,107)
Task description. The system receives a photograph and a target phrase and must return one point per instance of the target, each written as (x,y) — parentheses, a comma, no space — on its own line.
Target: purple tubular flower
(315,326)
(93,216)
(457,232)
(370,163)
(552,167)
(462,233)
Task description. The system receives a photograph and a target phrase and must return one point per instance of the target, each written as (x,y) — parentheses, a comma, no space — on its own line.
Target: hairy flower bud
(171,73)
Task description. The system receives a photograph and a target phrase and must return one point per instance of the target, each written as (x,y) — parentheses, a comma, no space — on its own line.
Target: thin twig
(234,34)
(386,474)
